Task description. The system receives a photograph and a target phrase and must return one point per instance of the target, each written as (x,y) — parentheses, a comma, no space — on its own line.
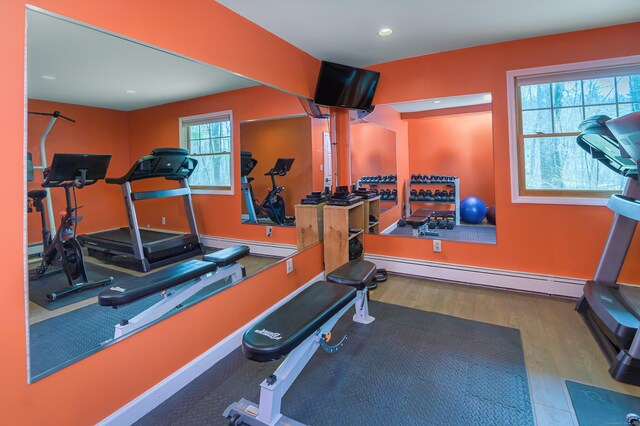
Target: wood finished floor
(37,313)
(556,343)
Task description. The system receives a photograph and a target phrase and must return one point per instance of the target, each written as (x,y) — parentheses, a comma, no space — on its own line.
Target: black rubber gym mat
(409,367)
(466,233)
(58,341)
(596,406)
(40,287)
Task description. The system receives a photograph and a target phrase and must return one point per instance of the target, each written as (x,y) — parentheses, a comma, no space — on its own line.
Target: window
(547,108)
(208,139)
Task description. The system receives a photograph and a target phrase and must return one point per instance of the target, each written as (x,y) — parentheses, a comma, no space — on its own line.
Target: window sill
(575,201)
(212,191)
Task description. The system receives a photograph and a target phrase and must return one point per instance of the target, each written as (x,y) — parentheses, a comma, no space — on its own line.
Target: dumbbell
(374,191)
(451,221)
(394,178)
(452,195)
(388,192)
(445,195)
(394,195)
(413,195)
(428,195)
(437,196)
(414,178)
(422,196)
(432,224)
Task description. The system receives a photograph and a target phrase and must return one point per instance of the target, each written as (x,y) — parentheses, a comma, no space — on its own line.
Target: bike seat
(37,194)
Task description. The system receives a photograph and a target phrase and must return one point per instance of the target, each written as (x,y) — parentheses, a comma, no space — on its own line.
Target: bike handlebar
(55,114)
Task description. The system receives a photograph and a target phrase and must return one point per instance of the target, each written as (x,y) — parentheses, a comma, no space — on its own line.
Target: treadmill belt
(123,236)
(630,296)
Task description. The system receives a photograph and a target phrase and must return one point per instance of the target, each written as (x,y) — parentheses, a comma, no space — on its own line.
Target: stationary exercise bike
(273,205)
(69,171)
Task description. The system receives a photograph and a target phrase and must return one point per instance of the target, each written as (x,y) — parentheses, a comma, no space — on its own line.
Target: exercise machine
(177,283)
(296,330)
(146,249)
(610,310)
(43,156)
(71,172)
(273,205)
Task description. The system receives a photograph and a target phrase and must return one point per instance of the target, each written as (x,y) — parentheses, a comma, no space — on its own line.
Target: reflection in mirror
(445,175)
(161,129)
(281,163)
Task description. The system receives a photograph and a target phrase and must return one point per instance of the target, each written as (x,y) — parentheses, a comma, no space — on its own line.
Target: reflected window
(208,139)
(550,108)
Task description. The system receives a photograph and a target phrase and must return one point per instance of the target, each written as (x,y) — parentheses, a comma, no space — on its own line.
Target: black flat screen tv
(344,86)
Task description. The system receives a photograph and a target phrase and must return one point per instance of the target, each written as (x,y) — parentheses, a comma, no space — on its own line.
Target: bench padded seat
(416,221)
(284,329)
(227,256)
(128,291)
(357,273)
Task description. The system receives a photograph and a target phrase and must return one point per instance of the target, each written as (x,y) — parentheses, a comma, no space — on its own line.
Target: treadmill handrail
(152,166)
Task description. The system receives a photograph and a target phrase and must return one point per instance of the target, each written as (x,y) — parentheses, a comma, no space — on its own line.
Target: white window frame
(512,75)
(183,144)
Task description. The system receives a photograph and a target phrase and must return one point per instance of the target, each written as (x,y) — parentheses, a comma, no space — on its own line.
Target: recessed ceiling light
(48,77)
(487,97)
(130,91)
(436,102)
(385,32)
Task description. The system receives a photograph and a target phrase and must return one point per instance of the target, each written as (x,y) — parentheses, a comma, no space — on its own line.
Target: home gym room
(216,214)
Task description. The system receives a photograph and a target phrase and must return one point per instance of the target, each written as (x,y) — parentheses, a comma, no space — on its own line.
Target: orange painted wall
(457,145)
(390,119)
(191,30)
(96,131)
(570,244)
(373,150)
(217,215)
(284,138)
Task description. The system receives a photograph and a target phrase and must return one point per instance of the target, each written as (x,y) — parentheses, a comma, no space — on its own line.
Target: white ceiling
(96,69)
(347,31)
(441,103)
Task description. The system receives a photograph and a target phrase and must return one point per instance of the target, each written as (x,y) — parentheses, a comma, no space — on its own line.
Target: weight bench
(192,276)
(296,330)
(418,221)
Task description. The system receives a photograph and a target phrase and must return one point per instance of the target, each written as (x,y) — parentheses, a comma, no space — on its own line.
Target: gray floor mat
(64,339)
(467,233)
(40,287)
(408,367)
(596,406)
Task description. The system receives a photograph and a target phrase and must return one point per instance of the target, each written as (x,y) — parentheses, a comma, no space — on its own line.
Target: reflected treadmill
(145,249)
(611,310)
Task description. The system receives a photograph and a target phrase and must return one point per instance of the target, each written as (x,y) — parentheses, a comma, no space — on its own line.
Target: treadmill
(610,310)
(145,249)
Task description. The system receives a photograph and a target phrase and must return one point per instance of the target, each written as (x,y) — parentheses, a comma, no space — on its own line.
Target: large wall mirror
(282,162)
(431,163)
(102,106)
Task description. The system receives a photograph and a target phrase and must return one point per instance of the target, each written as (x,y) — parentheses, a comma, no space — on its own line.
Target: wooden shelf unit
(372,207)
(338,220)
(309,224)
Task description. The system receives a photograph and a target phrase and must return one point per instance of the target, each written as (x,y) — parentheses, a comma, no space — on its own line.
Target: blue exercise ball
(472,210)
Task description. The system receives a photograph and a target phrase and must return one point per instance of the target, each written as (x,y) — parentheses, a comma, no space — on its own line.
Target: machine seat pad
(357,273)
(127,291)
(227,256)
(284,329)
(416,221)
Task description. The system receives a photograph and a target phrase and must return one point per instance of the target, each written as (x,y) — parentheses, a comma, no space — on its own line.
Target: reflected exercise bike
(68,171)
(273,205)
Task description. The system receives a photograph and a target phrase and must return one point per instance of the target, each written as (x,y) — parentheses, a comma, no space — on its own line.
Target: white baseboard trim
(256,247)
(390,228)
(153,397)
(473,275)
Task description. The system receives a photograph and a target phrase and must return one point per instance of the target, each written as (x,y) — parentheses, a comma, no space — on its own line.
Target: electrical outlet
(164,220)
(437,246)
(289,265)
(269,231)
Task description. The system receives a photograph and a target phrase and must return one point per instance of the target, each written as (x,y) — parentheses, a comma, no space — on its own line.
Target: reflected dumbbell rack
(376,184)
(445,185)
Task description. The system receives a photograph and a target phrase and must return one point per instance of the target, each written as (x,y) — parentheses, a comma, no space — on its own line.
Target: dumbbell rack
(372,184)
(455,184)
